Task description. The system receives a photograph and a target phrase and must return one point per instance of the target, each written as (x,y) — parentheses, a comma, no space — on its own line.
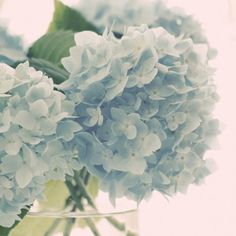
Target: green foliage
(53,46)
(7,231)
(56,194)
(93,187)
(66,18)
(51,70)
(5,59)
(32,226)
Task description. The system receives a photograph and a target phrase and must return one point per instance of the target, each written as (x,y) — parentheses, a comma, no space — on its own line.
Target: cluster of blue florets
(120,14)
(34,133)
(11,48)
(145,103)
(136,112)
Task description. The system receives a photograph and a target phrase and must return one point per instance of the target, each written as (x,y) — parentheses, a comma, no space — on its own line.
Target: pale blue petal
(23,176)
(26,120)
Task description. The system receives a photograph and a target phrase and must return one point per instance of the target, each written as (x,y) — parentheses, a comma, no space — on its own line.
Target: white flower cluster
(33,135)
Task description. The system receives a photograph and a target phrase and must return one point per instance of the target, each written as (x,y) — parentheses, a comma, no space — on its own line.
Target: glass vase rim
(80,214)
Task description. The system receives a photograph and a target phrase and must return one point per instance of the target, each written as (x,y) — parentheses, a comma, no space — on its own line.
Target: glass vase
(115,223)
(69,210)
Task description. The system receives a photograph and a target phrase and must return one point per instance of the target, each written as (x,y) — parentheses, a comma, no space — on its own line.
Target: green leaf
(32,226)
(56,194)
(38,226)
(51,70)
(66,18)
(53,47)
(93,187)
(6,231)
(6,60)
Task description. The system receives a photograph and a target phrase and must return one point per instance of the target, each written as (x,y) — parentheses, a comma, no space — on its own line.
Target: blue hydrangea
(34,131)
(11,48)
(120,13)
(136,12)
(145,104)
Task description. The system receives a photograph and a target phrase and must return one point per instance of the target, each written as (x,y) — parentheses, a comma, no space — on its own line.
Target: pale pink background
(208,210)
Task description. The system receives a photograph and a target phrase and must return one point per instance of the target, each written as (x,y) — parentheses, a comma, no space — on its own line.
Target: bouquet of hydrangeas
(116,92)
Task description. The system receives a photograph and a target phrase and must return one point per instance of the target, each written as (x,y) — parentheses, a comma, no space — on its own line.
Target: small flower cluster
(120,14)
(145,103)
(10,47)
(34,131)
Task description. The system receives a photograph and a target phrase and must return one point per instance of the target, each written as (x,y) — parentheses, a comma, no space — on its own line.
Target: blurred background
(208,210)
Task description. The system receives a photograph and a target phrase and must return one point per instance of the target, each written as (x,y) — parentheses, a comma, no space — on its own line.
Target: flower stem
(92,226)
(77,200)
(74,195)
(118,225)
(69,226)
(53,226)
(131,234)
(84,191)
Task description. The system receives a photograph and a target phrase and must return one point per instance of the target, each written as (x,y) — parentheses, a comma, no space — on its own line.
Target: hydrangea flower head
(120,14)
(33,148)
(144,102)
